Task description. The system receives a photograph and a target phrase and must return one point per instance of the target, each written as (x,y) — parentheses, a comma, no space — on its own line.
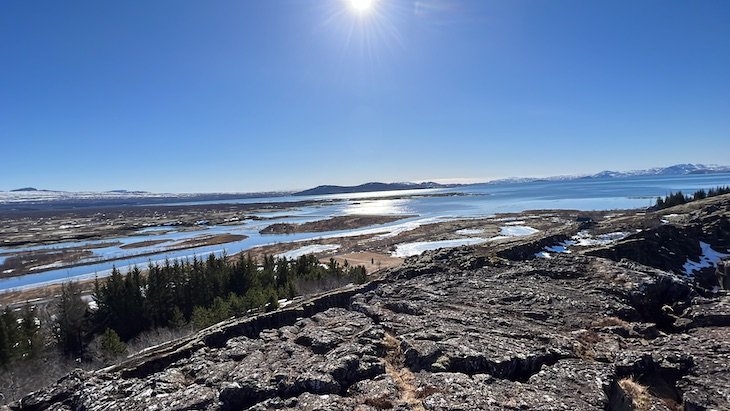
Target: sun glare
(361,6)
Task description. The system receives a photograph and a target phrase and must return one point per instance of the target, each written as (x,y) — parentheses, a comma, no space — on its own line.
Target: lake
(430,205)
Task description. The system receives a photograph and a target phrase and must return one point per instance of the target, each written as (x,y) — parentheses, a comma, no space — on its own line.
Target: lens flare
(362,6)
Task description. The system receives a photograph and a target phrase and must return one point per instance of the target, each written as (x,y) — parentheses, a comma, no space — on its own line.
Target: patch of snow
(284,302)
(47,266)
(515,223)
(416,248)
(506,219)
(469,231)
(517,231)
(709,258)
(155,228)
(8,271)
(308,249)
(561,247)
(583,238)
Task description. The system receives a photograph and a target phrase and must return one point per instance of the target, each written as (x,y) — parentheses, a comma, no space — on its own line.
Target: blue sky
(247,95)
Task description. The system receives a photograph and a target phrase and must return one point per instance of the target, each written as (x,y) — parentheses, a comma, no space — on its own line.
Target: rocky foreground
(460,329)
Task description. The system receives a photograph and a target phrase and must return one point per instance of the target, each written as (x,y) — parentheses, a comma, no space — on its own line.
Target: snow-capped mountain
(677,169)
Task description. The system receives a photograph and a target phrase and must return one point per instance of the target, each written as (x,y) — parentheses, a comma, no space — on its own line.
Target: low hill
(368,187)
(25,189)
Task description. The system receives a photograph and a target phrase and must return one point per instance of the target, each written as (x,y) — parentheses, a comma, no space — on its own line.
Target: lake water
(466,202)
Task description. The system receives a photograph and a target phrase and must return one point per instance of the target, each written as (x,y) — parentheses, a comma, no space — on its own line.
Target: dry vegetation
(637,393)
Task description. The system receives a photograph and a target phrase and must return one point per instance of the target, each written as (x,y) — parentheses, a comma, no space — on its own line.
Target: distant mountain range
(368,187)
(677,169)
(35,195)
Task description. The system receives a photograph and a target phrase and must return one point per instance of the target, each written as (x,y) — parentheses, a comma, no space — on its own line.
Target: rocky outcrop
(672,244)
(451,330)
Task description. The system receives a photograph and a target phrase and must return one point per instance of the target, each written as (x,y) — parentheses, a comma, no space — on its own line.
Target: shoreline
(384,243)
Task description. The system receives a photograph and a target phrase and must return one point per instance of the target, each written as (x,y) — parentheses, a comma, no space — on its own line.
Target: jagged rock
(453,329)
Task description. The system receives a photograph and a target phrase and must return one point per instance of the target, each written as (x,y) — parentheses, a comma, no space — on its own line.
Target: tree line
(175,294)
(197,292)
(673,199)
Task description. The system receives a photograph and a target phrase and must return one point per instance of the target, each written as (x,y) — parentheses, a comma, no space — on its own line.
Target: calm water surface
(474,201)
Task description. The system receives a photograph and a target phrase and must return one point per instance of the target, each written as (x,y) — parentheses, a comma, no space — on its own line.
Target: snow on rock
(515,223)
(560,248)
(709,258)
(583,238)
(48,266)
(416,248)
(517,231)
(90,301)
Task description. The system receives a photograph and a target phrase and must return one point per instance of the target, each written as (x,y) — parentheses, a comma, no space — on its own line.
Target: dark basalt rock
(452,330)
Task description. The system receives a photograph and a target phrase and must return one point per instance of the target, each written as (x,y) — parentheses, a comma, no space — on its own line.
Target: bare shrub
(638,393)
(21,378)
(155,337)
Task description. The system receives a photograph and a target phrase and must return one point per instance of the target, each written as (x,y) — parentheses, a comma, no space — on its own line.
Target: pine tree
(10,320)
(5,344)
(272,303)
(201,317)
(177,320)
(70,321)
(31,342)
(111,345)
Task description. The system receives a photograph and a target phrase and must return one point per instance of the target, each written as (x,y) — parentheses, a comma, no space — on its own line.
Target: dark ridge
(368,187)
(25,189)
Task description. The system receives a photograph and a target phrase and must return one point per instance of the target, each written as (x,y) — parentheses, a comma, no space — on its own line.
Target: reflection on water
(377,207)
(415,248)
(487,199)
(308,249)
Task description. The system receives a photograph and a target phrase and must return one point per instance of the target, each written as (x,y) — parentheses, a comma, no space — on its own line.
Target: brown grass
(584,346)
(402,376)
(371,261)
(638,394)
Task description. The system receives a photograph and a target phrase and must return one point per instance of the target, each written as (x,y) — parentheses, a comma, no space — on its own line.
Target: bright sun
(361,6)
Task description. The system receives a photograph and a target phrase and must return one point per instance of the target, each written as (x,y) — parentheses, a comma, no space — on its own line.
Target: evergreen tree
(159,296)
(201,317)
(31,342)
(111,345)
(272,303)
(70,319)
(5,344)
(177,320)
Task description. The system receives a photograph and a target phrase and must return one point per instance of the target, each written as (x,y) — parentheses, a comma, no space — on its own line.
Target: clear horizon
(190,97)
(440,181)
